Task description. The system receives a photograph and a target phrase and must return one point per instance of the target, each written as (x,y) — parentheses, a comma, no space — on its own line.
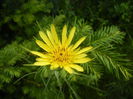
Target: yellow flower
(59,53)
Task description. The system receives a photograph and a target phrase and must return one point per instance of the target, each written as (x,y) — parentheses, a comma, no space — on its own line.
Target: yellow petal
(54,34)
(41,59)
(84,50)
(41,63)
(80,56)
(51,38)
(43,46)
(70,47)
(78,42)
(77,67)
(71,35)
(82,60)
(64,34)
(45,38)
(68,69)
(39,54)
(54,66)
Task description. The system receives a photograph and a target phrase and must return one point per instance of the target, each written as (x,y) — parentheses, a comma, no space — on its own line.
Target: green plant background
(108,25)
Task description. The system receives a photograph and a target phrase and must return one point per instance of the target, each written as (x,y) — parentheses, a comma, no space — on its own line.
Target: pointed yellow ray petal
(70,47)
(43,46)
(75,51)
(80,56)
(77,67)
(82,60)
(64,34)
(41,59)
(54,34)
(71,35)
(41,63)
(68,69)
(39,54)
(51,38)
(84,50)
(78,42)
(45,38)
(54,66)
(28,65)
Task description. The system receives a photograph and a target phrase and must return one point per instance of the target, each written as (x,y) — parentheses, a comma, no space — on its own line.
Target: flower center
(61,56)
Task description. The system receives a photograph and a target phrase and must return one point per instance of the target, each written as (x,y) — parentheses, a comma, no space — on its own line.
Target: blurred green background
(107,23)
